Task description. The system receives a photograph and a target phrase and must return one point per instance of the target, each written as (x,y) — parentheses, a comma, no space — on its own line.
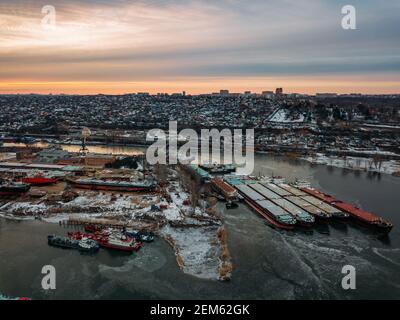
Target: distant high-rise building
(224,92)
(279,91)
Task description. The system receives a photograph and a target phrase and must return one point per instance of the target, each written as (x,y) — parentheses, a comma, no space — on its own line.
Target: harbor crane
(85,135)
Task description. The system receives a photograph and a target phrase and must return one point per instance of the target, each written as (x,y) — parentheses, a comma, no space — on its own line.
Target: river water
(268,264)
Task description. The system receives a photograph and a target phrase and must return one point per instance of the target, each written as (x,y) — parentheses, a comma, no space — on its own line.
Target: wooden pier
(114,224)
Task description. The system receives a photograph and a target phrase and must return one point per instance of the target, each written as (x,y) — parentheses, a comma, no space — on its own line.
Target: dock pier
(140,226)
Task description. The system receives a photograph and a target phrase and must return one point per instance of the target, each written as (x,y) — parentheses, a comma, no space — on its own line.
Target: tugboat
(121,243)
(8,188)
(109,240)
(140,236)
(231,205)
(88,245)
(5,298)
(84,245)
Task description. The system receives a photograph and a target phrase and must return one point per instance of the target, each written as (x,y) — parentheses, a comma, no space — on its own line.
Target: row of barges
(284,206)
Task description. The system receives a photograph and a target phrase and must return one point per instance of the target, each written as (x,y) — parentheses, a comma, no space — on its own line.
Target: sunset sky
(126,46)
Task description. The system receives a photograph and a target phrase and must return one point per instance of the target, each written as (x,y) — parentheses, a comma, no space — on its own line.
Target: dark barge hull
(111,188)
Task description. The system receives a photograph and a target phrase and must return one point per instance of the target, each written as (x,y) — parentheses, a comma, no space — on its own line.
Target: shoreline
(191,229)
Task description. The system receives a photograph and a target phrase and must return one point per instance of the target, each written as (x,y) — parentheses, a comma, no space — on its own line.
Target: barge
(308,207)
(365,217)
(39,181)
(8,188)
(112,185)
(268,194)
(277,190)
(335,212)
(294,191)
(275,215)
(225,189)
(303,217)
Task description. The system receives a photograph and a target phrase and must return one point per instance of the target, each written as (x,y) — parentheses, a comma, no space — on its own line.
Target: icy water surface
(269,264)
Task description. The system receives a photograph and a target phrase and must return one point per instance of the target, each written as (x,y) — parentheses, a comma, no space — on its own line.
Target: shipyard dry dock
(285,206)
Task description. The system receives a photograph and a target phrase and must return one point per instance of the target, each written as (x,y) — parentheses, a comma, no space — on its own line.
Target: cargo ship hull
(365,218)
(112,185)
(39,181)
(111,188)
(14,190)
(357,214)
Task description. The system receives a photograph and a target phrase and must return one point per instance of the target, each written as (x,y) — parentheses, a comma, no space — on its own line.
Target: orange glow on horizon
(202,86)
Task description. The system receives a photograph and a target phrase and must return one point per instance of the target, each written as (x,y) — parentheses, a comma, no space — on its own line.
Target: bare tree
(194,192)
(161,172)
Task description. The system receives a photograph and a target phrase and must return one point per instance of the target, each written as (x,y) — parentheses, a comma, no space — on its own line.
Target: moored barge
(303,218)
(111,185)
(367,218)
(225,189)
(294,191)
(39,181)
(8,189)
(274,214)
(335,212)
(308,207)
(278,190)
(268,194)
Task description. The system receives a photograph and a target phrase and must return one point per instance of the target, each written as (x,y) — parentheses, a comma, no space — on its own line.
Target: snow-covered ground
(282,116)
(198,248)
(356,163)
(194,232)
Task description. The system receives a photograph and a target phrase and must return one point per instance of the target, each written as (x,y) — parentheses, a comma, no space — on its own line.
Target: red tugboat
(360,215)
(110,241)
(39,180)
(121,243)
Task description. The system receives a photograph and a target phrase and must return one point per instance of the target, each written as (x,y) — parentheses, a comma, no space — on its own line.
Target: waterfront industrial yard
(207,245)
(194,232)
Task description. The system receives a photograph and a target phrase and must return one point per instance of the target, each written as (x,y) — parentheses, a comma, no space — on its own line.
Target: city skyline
(124,46)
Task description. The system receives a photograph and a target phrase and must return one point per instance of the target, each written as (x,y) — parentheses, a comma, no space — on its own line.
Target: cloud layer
(247,44)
